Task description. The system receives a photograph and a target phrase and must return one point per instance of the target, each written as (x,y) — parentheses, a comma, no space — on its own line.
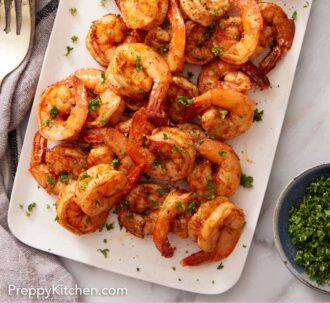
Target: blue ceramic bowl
(291,196)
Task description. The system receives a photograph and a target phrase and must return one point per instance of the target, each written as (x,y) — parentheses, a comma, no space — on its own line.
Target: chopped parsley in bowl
(302,227)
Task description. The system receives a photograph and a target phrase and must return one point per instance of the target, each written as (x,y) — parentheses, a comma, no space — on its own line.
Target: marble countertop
(303,144)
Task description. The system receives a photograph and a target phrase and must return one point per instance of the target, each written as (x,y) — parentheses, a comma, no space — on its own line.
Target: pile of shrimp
(128,133)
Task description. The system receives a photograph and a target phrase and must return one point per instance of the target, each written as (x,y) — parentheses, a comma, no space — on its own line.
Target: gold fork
(14,38)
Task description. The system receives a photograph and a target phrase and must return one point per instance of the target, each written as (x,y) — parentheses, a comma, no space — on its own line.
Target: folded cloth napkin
(21,265)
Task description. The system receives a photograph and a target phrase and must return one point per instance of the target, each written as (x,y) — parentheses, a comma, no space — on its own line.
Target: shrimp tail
(270,60)
(197,259)
(257,76)
(155,111)
(39,149)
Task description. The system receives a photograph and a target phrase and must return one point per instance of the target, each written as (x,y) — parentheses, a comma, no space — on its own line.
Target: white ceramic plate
(129,255)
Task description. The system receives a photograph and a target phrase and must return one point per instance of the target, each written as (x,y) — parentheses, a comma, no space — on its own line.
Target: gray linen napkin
(21,265)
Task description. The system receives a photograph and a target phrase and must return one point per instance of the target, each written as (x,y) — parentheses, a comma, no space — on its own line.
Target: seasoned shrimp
(204,12)
(104,106)
(231,47)
(115,141)
(176,204)
(194,131)
(180,92)
(168,152)
(199,43)
(284,31)
(139,211)
(216,227)
(139,14)
(99,154)
(231,113)
(56,167)
(104,35)
(219,74)
(136,70)
(71,216)
(63,110)
(223,180)
(98,188)
(170,40)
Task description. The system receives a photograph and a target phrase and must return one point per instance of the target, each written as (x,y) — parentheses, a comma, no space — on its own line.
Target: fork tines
(18,11)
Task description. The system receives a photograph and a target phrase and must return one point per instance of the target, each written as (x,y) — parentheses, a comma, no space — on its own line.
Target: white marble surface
(303,144)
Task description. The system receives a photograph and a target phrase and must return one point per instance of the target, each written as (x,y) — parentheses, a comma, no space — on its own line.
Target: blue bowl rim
(304,279)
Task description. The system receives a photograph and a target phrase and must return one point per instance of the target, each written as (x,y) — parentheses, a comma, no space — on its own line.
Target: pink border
(163,316)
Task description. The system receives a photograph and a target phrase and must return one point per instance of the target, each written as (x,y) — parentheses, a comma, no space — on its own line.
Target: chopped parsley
(246,181)
(306,4)
(54,112)
(178,149)
(103,77)
(220,266)
(48,206)
(74,39)
(31,207)
(184,100)
(179,205)
(162,191)
(294,15)
(69,49)
(45,122)
(173,268)
(115,162)
(217,51)
(109,226)
(73,11)
(309,228)
(165,136)
(157,162)
(84,175)
(103,120)
(257,116)
(222,153)
(104,252)
(190,75)
(103,2)
(191,208)
(138,65)
(50,180)
(223,113)
(65,177)
(222,26)
(94,104)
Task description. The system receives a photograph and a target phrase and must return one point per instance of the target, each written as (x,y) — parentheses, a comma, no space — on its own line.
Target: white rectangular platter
(129,255)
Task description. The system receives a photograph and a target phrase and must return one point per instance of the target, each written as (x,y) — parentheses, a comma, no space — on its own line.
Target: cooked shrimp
(139,211)
(63,110)
(66,158)
(56,167)
(198,43)
(104,106)
(104,35)
(194,131)
(136,70)
(99,154)
(217,227)
(204,12)
(223,180)
(71,216)
(170,41)
(284,30)
(115,141)
(231,113)
(218,74)
(180,92)
(233,49)
(168,152)
(139,14)
(98,187)
(175,205)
